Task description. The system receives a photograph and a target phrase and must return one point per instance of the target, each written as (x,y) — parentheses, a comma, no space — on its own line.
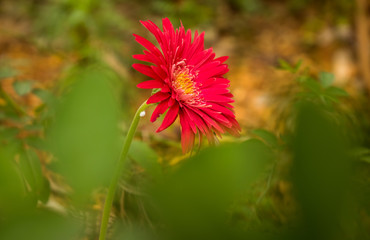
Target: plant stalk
(117,174)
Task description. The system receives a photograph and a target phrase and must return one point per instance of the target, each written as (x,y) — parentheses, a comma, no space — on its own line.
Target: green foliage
(239,190)
(326,79)
(84,135)
(318,90)
(23,180)
(23,87)
(193,200)
(284,65)
(146,157)
(320,172)
(78,24)
(42,226)
(268,137)
(7,71)
(190,12)
(248,5)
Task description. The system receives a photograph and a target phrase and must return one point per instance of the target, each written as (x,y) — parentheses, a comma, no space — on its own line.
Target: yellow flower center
(183,81)
(185,88)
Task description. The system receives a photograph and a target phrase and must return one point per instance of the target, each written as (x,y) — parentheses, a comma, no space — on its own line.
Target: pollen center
(185,86)
(183,81)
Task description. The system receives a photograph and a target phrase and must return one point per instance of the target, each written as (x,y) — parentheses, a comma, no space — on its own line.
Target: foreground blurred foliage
(84,134)
(229,191)
(307,178)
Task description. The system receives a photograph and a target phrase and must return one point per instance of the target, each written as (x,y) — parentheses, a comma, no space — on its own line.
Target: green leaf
(11,183)
(302,79)
(36,142)
(30,166)
(312,85)
(145,156)
(202,188)
(44,191)
(6,72)
(84,135)
(284,65)
(337,92)
(298,65)
(362,154)
(155,90)
(326,79)
(45,95)
(23,87)
(266,136)
(8,134)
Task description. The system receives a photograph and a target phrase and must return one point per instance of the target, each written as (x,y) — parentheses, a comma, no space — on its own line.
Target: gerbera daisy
(191,83)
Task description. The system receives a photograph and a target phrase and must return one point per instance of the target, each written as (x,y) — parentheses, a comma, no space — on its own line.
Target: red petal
(165,88)
(215,81)
(160,109)
(217,71)
(154,29)
(222,109)
(209,66)
(149,57)
(144,69)
(208,119)
(196,46)
(187,135)
(215,91)
(168,27)
(219,117)
(198,121)
(150,84)
(235,124)
(170,117)
(199,58)
(189,120)
(157,97)
(159,71)
(218,98)
(147,44)
(222,59)
(171,101)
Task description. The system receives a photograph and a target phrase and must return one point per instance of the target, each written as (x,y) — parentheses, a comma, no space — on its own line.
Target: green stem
(119,169)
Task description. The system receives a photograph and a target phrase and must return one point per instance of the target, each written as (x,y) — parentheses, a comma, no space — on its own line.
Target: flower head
(191,83)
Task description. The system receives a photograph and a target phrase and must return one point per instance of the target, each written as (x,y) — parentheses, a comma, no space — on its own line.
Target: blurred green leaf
(145,156)
(30,167)
(41,225)
(23,87)
(336,92)
(8,134)
(298,65)
(12,188)
(326,79)
(84,137)
(284,65)
(303,78)
(193,200)
(134,232)
(267,137)
(155,90)
(320,172)
(6,72)
(45,95)
(361,154)
(249,5)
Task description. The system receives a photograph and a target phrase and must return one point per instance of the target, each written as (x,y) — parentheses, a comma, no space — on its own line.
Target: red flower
(191,83)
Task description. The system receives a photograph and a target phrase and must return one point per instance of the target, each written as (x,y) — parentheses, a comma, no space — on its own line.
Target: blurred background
(300,75)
